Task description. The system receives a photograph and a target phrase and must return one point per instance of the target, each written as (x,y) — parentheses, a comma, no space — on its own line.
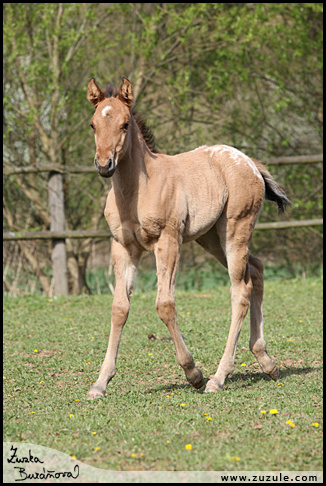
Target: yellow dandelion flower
(182,404)
(71,415)
(263,411)
(243,364)
(88,362)
(179,393)
(188,313)
(188,447)
(141,454)
(168,442)
(92,337)
(208,418)
(94,433)
(77,400)
(273,411)
(290,340)
(74,457)
(290,423)
(42,381)
(35,351)
(315,424)
(280,384)
(4,378)
(300,320)
(97,448)
(9,395)
(133,455)
(31,413)
(167,396)
(150,354)
(159,407)
(237,459)
(69,319)
(205,414)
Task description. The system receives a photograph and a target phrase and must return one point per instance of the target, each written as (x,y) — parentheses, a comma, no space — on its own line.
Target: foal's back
(194,188)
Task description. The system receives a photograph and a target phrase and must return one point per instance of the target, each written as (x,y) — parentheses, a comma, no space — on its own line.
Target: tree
(248,75)
(44,47)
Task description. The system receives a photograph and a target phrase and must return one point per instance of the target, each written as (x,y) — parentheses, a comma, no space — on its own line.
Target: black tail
(273,192)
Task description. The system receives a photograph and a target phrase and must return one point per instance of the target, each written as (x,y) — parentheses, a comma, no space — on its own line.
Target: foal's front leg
(167,252)
(125,266)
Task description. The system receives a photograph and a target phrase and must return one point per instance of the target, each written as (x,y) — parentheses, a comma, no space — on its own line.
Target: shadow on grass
(252,378)
(245,380)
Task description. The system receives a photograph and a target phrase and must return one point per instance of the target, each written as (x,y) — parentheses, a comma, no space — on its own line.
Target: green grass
(136,416)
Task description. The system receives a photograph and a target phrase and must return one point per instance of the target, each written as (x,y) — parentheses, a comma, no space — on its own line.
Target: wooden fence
(58,233)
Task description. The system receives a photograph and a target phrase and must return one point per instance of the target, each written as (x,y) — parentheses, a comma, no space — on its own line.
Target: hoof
(94,393)
(212,386)
(196,379)
(199,384)
(274,374)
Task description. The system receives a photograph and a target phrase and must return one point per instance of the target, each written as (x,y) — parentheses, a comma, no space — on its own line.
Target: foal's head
(110,124)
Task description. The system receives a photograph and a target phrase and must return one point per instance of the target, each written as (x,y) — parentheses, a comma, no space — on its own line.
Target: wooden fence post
(57,218)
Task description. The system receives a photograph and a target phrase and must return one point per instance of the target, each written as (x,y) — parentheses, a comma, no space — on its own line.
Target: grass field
(53,350)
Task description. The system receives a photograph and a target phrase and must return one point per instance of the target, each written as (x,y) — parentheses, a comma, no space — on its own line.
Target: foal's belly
(192,232)
(198,225)
(203,212)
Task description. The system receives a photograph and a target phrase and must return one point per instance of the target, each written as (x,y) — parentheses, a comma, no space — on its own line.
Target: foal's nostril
(107,170)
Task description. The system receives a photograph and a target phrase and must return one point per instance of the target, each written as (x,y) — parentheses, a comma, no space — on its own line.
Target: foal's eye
(92,126)
(125,126)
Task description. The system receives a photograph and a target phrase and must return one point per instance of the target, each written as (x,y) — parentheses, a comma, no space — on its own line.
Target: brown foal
(158,202)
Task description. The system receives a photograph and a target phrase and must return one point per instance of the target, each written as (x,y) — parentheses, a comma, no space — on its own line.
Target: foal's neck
(131,172)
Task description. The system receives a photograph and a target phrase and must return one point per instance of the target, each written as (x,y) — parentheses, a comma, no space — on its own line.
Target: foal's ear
(125,92)
(94,94)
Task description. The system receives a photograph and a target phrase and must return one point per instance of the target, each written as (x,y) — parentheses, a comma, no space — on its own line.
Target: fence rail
(298,159)
(61,235)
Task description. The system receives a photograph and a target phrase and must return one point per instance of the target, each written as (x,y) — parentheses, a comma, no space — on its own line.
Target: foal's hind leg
(257,342)
(167,252)
(237,235)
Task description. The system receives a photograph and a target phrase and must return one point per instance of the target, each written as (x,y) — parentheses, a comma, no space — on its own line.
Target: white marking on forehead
(236,155)
(105,110)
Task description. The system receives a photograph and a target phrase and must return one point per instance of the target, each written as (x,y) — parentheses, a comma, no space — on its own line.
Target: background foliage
(248,75)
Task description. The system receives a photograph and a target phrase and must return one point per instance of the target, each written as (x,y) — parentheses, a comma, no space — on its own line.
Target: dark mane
(146,131)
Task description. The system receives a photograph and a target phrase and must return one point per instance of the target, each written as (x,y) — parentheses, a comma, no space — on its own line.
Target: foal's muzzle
(108,170)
